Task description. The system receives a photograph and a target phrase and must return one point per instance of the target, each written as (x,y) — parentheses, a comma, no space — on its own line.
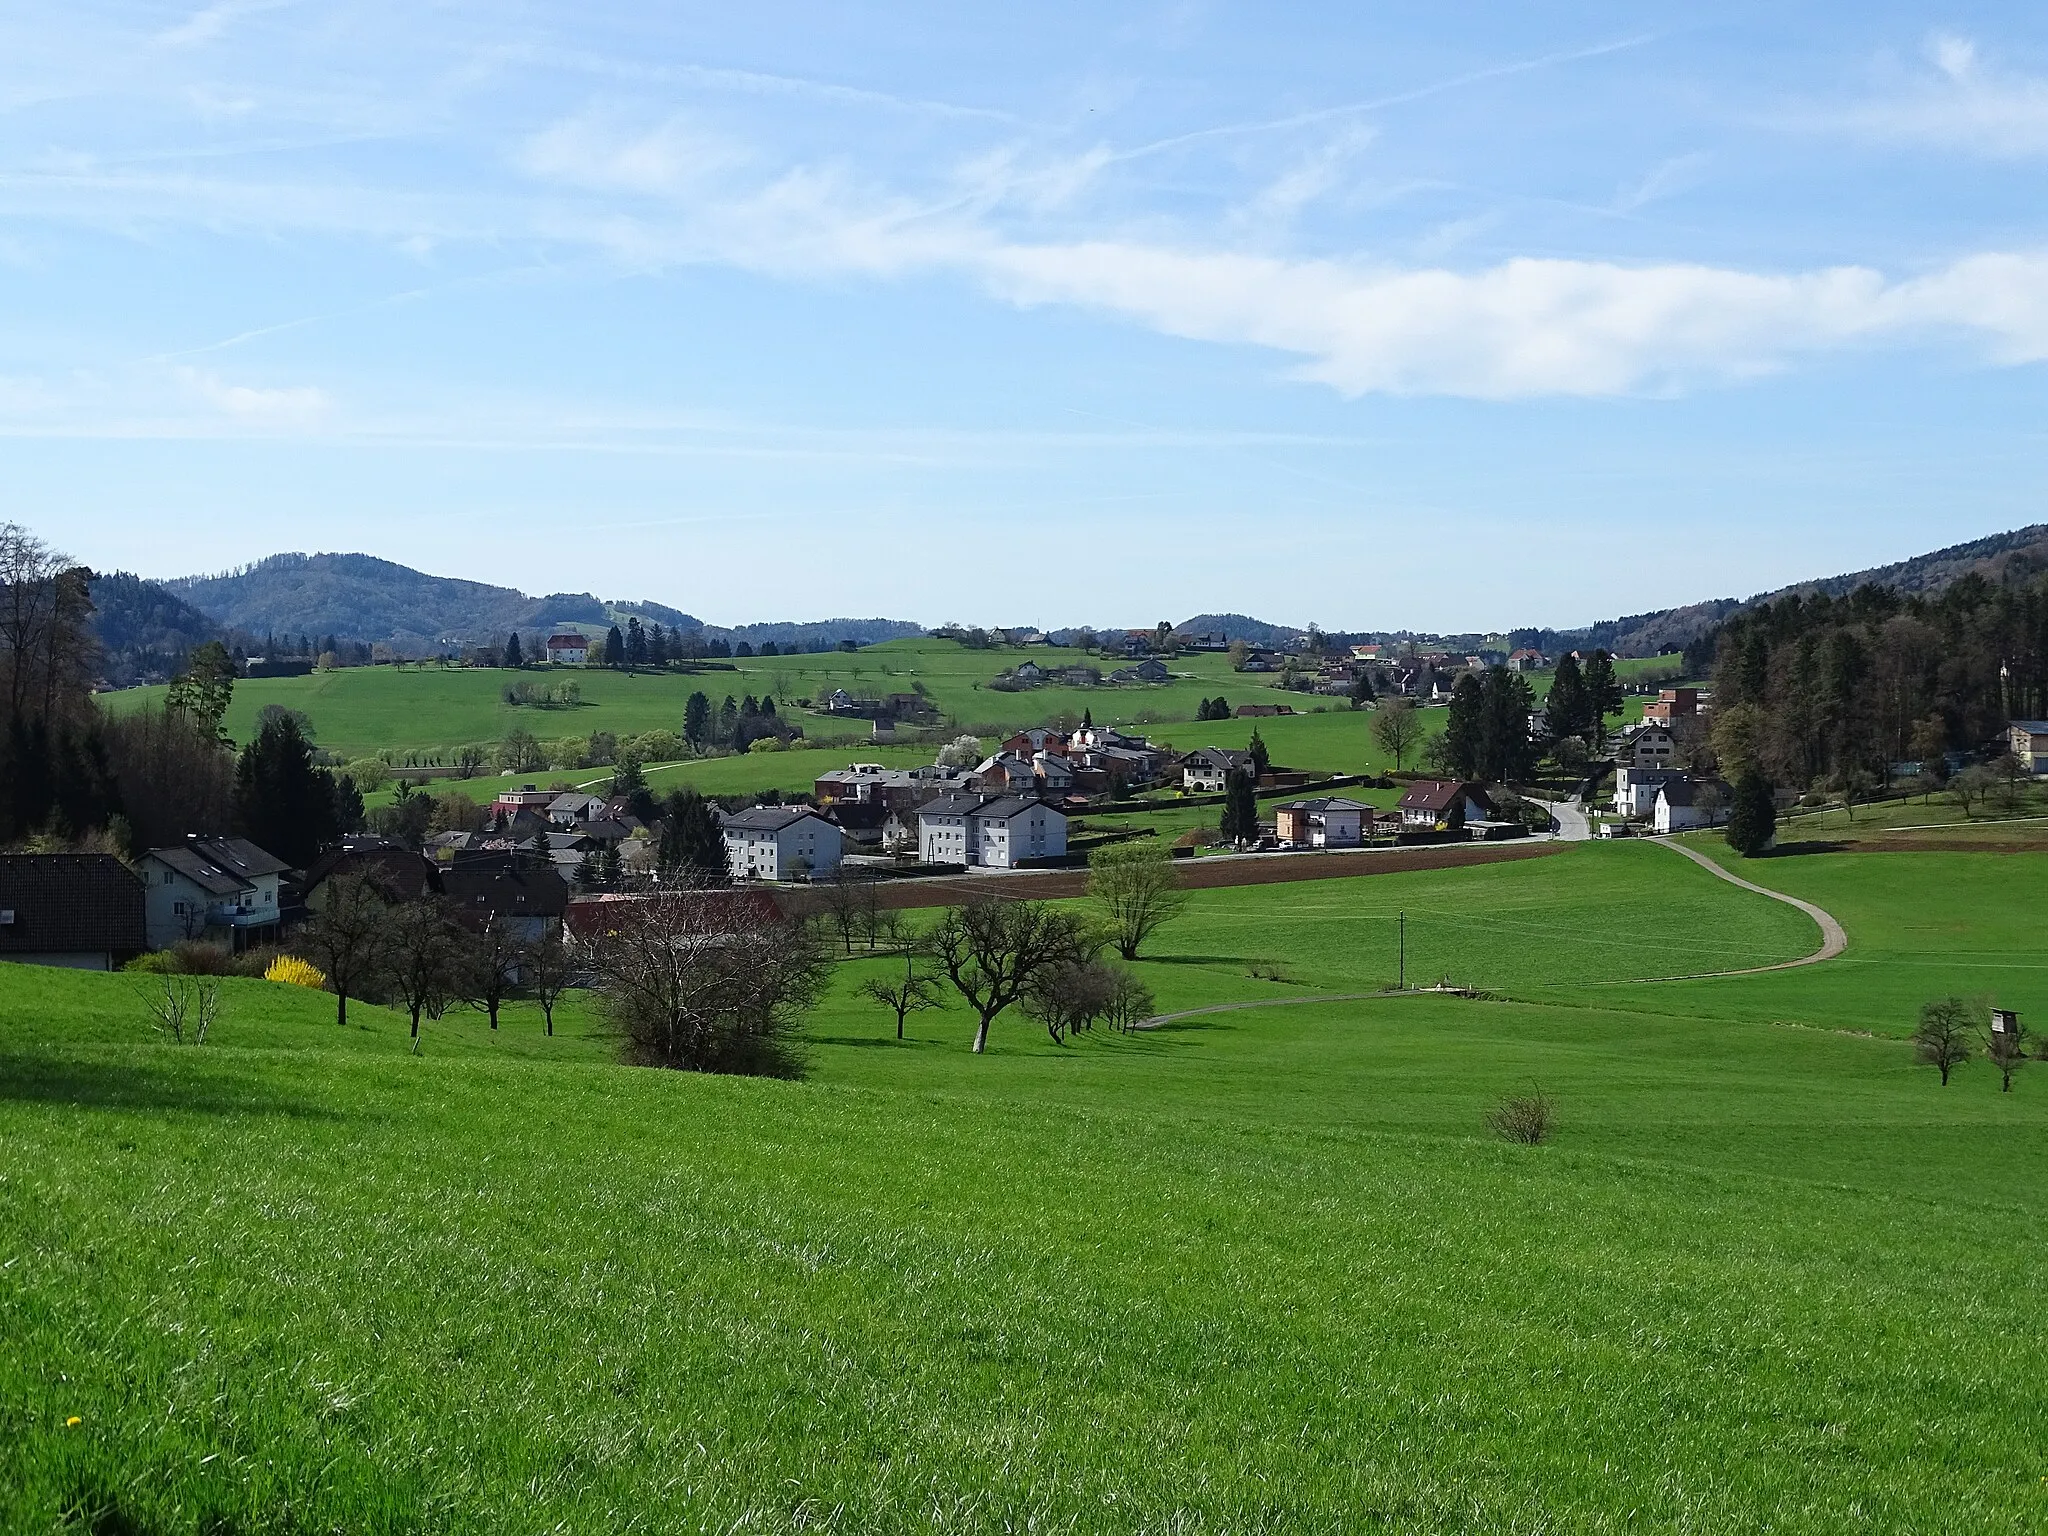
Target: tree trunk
(981,1036)
(340,1008)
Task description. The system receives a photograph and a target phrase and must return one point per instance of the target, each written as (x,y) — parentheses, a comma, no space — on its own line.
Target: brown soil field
(1212,873)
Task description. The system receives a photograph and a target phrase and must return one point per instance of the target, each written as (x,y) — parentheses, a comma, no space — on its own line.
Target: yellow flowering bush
(294,972)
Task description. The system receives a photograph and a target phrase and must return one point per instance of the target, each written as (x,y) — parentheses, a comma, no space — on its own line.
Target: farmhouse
(780,842)
(1431,803)
(1675,704)
(531,901)
(1686,802)
(1635,789)
(568,649)
(1328,822)
(1261,711)
(1208,769)
(1150,671)
(990,833)
(211,887)
(82,911)
(2027,740)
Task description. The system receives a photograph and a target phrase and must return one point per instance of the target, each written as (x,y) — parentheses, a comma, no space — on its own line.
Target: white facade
(1635,789)
(189,896)
(569,650)
(771,844)
(997,834)
(1678,808)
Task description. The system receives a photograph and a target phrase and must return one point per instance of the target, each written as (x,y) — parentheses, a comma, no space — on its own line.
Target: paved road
(1572,826)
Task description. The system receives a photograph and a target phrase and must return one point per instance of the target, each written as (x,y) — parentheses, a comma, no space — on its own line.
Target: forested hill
(144,631)
(362,598)
(2000,559)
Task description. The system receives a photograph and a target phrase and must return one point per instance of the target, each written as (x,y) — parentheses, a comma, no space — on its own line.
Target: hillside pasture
(1259,1270)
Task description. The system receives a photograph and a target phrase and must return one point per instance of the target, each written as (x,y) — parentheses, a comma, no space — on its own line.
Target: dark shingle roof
(70,903)
(768,818)
(513,892)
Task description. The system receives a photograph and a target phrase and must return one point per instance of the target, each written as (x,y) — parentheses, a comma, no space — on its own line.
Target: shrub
(768,744)
(371,774)
(1525,1118)
(294,972)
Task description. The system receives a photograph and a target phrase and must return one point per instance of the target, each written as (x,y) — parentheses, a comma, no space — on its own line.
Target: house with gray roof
(990,832)
(221,889)
(780,842)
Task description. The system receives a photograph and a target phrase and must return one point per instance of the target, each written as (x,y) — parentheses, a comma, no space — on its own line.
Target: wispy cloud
(1956,102)
(210,22)
(291,405)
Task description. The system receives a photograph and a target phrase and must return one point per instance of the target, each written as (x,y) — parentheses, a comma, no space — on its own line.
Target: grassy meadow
(1250,1271)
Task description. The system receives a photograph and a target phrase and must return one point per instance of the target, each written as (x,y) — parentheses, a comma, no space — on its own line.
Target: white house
(572,806)
(990,833)
(568,649)
(220,888)
(1055,774)
(1327,822)
(780,842)
(1686,802)
(1208,770)
(1429,803)
(1635,789)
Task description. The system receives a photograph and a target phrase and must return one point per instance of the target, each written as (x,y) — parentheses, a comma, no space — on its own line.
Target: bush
(769,744)
(1525,1118)
(294,972)
(370,774)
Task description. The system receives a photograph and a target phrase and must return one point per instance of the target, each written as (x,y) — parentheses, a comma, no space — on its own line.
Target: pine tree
(615,649)
(1569,709)
(513,656)
(697,721)
(728,722)
(1255,749)
(1753,818)
(1240,821)
(284,804)
(636,644)
(691,846)
(1603,689)
(1505,755)
(1465,727)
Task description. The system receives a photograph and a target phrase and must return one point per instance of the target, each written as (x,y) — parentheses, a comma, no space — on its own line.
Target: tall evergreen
(1603,688)
(615,649)
(691,846)
(697,721)
(1255,749)
(1569,709)
(285,805)
(1240,821)
(513,657)
(636,643)
(1465,726)
(1753,817)
(1505,754)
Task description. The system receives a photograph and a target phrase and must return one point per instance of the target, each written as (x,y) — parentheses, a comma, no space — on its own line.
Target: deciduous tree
(1138,890)
(347,938)
(992,952)
(1396,729)
(1943,1039)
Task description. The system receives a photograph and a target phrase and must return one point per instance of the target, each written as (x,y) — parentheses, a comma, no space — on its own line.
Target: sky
(1381,316)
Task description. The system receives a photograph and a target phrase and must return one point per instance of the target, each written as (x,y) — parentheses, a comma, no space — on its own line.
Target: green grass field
(1254,1271)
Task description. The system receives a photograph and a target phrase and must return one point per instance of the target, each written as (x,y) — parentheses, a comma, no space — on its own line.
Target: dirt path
(1833,939)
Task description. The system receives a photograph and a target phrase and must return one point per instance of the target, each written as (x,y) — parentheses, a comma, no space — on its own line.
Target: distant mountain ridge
(363,598)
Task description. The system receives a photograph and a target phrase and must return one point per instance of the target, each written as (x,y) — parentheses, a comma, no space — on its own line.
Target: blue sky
(1381,316)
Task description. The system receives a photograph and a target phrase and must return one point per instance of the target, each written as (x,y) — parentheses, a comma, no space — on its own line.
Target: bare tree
(422,941)
(488,962)
(854,907)
(1943,1039)
(1130,1000)
(993,951)
(1070,996)
(915,991)
(547,972)
(177,1002)
(1971,784)
(1137,889)
(696,980)
(347,939)
(1397,727)
(2006,1047)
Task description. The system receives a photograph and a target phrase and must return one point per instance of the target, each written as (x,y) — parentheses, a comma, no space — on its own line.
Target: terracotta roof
(69,903)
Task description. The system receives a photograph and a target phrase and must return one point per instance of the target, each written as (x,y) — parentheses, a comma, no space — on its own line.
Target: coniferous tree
(1505,755)
(1465,727)
(636,644)
(285,805)
(1240,821)
(691,845)
(697,721)
(513,656)
(1255,749)
(1569,709)
(1603,689)
(728,722)
(615,649)
(1753,817)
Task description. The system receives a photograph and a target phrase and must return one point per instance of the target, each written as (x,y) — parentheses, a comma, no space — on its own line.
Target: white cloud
(289,406)
(591,152)
(1961,104)
(206,24)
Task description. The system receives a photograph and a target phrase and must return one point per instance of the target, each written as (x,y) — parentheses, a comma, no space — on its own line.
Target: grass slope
(1255,1271)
